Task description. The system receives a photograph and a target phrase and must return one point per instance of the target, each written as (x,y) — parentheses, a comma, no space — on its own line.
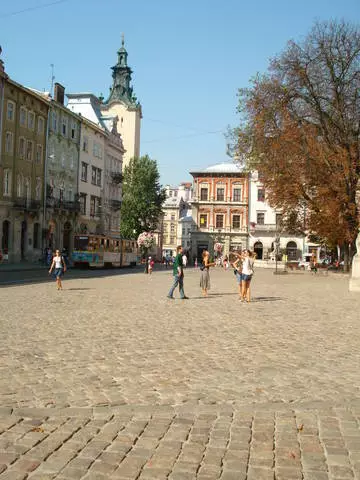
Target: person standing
(151,264)
(59,267)
(247,273)
(238,272)
(184,259)
(178,272)
(205,274)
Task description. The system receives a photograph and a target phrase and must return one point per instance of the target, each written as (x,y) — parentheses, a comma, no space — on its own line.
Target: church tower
(123,104)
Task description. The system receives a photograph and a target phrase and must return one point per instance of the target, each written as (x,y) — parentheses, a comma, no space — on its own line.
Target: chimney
(59,93)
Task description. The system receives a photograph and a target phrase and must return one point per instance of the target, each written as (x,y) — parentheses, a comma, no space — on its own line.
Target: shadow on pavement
(266,299)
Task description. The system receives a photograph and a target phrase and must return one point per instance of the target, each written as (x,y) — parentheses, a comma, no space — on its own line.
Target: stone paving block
(255,473)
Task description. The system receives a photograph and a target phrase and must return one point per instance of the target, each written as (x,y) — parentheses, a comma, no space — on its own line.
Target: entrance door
(23,239)
(5,237)
(67,236)
(258,249)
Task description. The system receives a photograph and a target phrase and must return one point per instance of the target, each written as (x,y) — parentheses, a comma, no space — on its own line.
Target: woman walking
(59,267)
(205,274)
(247,273)
(238,272)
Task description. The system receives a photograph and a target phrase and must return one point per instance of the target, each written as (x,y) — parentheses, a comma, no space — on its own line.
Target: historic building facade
(61,173)
(220,208)
(22,166)
(176,208)
(108,205)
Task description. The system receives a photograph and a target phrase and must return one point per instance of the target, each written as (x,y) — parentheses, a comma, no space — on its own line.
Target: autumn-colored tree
(300,128)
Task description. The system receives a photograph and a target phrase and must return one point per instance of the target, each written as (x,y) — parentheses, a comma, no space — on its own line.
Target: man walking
(178,273)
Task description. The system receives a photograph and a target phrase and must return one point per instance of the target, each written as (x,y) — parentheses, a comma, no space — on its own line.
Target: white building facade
(265,227)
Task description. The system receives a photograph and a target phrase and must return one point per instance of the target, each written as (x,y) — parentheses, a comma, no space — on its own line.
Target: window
(203,220)
(73,130)
(61,194)
(172,240)
(29,150)
(165,228)
(261,194)
(31,120)
(23,116)
(98,177)
(84,168)
(173,216)
(85,145)
(175,193)
(83,203)
(10,111)
(220,194)
(40,126)
(21,147)
(236,221)
(36,235)
(54,121)
(172,228)
(9,142)
(38,189)
(39,151)
(237,194)
(7,183)
(93,175)
(19,186)
(92,206)
(219,221)
(183,231)
(64,123)
(260,218)
(204,194)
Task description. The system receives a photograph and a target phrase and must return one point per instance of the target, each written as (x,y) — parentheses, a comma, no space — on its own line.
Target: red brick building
(220,208)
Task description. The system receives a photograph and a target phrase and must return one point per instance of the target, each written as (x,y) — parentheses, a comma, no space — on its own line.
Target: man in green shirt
(178,272)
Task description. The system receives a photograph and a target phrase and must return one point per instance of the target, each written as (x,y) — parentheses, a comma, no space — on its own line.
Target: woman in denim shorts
(247,273)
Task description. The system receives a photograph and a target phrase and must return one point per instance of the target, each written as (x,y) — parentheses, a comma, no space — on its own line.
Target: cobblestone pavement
(109,379)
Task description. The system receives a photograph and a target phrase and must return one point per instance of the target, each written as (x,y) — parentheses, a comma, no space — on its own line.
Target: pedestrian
(178,273)
(195,262)
(226,262)
(59,267)
(151,264)
(205,274)
(246,276)
(238,272)
(184,259)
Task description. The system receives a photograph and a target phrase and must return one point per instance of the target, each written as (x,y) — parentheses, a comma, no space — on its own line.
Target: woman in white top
(59,267)
(246,276)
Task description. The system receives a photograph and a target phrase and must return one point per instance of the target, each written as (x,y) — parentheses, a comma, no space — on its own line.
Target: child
(151,264)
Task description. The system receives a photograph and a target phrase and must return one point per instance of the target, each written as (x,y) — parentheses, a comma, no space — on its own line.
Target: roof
(224,167)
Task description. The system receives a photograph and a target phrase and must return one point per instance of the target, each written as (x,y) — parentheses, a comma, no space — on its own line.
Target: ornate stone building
(220,208)
(61,174)
(22,165)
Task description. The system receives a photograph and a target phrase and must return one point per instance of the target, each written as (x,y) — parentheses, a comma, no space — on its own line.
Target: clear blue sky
(189,58)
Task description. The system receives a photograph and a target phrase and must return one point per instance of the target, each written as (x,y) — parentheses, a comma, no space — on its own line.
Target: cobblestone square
(109,379)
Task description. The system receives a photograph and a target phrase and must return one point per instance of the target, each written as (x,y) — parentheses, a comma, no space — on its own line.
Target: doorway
(259,249)
(5,237)
(23,239)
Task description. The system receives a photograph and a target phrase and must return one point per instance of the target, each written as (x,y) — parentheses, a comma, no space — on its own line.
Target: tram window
(93,243)
(81,243)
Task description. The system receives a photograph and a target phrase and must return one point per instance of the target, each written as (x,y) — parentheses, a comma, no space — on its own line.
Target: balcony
(65,205)
(221,231)
(26,204)
(266,227)
(226,200)
(116,177)
(115,204)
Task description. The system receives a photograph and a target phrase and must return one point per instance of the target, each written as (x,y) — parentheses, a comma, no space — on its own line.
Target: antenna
(52,78)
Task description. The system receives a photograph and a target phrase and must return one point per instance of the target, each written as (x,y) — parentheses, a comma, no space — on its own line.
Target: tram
(104,251)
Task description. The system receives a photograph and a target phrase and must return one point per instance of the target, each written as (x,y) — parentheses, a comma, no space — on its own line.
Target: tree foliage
(300,129)
(142,197)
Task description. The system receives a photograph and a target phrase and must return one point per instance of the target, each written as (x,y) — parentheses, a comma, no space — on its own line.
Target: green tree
(142,197)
